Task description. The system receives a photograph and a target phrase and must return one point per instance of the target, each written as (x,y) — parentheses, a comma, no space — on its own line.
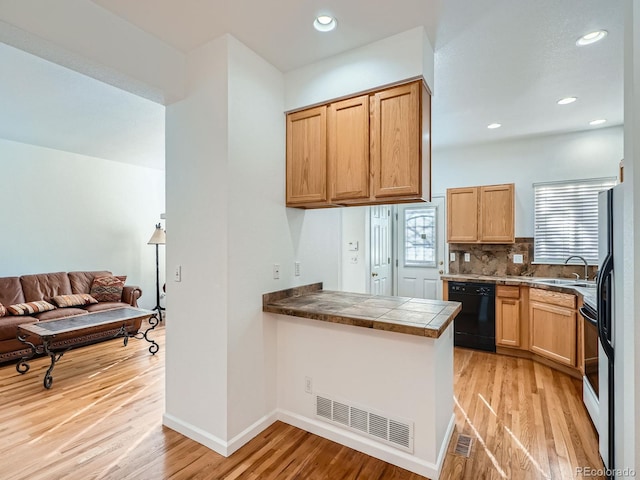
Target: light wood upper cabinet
(508,316)
(553,326)
(497,214)
(395,141)
(348,123)
(483,214)
(376,149)
(307,157)
(462,215)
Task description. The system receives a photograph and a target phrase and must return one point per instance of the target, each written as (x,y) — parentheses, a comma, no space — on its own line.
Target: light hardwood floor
(102,420)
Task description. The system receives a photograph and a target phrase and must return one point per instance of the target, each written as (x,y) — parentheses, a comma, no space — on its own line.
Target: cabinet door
(348,131)
(396,157)
(462,215)
(496,214)
(552,331)
(508,317)
(307,156)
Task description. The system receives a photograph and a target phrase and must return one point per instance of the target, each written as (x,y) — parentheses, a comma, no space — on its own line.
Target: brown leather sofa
(45,286)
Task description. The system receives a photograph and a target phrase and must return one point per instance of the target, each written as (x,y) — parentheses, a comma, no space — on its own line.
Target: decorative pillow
(73,300)
(108,288)
(29,308)
(3,310)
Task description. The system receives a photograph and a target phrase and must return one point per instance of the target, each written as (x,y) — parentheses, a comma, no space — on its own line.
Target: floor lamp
(158,238)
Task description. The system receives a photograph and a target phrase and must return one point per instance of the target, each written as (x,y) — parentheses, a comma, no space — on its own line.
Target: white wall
(63,212)
(263,232)
(227,227)
(355,265)
(197,240)
(405,55)
(399,375)
(589,154)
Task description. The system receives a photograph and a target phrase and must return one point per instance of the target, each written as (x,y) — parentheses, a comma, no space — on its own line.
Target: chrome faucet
(586,265)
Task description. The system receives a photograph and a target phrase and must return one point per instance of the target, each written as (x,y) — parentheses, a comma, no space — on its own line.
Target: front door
(381,244)
(421,250)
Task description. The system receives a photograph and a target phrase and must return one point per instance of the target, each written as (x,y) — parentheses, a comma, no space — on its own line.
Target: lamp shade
(159,237)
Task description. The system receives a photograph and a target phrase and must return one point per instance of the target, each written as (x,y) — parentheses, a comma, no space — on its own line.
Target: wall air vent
(394,431)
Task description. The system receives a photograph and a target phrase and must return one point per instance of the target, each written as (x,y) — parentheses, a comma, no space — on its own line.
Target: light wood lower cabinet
(508,316)
(553,326)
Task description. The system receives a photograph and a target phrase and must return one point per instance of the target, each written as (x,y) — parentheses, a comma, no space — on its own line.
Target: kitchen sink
(567,282)
(557,281)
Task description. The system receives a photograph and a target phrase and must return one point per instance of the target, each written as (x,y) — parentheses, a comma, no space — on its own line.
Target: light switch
(177,275)
(452,257)
(517,258)
(353,246)
(296,269)
(467,257)
(276,271)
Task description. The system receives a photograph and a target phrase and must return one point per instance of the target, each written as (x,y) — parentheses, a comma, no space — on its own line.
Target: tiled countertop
(412,316)
(587,294)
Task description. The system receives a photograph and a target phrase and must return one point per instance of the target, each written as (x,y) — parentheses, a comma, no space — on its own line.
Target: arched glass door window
(420,236)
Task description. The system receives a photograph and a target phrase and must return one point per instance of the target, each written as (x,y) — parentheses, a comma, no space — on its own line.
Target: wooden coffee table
(49,332)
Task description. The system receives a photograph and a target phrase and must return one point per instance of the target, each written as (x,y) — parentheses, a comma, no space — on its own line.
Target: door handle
(374,274)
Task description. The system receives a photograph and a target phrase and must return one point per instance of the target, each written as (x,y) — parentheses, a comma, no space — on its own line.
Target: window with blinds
(566,219)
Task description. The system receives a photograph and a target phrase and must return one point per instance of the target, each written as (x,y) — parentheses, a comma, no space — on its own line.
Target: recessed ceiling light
(325,23)
(494,125)
(592,37)
(600,121)
(567,100)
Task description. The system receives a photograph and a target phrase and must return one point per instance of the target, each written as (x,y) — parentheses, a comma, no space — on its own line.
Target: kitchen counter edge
(276,302)
(534,282)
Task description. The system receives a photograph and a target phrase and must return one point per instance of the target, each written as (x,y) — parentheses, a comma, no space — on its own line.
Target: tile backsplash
(490,259)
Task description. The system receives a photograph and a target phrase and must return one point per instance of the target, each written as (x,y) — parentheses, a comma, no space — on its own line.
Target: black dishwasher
(475,325)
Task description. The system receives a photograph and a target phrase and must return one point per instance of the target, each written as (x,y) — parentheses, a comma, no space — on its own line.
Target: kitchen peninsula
(370,372)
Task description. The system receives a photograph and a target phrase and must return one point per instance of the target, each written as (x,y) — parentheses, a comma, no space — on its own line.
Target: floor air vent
(463,445)
(394,431)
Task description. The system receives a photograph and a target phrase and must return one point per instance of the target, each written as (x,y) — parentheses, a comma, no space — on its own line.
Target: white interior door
(381,246)
(421,249)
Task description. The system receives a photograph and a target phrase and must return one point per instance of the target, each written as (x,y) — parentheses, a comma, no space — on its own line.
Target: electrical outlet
(467,257)
(517,258)
(308,386)
(452,257)
(297,269)
(177,275)
(276,271)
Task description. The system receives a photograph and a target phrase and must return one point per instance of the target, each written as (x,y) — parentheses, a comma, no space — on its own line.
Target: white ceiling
(51,106)
(505,61)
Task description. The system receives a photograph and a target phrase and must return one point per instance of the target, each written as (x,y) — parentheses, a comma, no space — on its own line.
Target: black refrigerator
(609,319)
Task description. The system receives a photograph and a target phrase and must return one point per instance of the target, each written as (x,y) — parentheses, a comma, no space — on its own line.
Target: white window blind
(566,219)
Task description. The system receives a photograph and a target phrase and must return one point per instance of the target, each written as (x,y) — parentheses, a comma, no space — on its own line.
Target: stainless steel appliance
(475,325)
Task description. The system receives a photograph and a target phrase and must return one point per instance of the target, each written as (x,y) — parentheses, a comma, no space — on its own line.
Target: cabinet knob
(374,274)
(440,272)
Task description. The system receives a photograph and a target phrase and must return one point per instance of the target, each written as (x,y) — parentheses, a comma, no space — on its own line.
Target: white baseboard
(317,427)
(370,447)
(224,448)
(445,443)
(194,433)
(251,431)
